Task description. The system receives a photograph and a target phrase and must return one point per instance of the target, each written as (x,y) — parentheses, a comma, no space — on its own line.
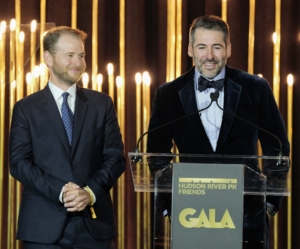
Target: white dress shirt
(212,117)
(57,94)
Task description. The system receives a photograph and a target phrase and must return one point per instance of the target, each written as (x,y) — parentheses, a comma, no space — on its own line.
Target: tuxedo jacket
(43,161)
(246,96)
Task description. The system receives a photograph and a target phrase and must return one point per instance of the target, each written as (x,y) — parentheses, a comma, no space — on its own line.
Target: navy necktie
(203,84)
(67,116)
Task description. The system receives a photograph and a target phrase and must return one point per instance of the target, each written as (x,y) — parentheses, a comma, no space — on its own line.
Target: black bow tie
(203,84)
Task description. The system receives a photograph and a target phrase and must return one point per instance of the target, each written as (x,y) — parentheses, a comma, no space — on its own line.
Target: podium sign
(207,207)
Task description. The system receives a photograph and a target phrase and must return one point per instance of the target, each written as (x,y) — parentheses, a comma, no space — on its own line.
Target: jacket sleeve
(22,166)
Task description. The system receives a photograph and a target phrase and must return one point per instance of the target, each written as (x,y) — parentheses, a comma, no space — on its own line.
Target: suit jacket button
(73,167)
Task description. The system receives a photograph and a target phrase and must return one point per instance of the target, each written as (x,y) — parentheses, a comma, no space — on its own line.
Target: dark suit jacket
(42,160)
(247,96)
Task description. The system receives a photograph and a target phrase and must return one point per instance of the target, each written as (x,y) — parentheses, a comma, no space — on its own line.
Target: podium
(210,201)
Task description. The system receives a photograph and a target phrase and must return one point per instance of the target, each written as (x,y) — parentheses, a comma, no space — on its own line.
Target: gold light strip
(33,54)
(276,52)
(171,47)
(121,183)
(44,79)
(178,37)
(11,181)
(224,10)
(251,37)
(290,81)
(276,84)
(138,104)
(74,14)
(2,117)
(146,195)
(94,44)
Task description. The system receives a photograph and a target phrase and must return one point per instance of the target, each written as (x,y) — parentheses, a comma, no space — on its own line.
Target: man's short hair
(52,36)
(209,22)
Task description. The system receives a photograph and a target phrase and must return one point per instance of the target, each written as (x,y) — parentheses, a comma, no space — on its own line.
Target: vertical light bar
(178,37)
(121,183)
(170,70)
(276,52)
(276,84)
(33,53)
(2,116)
(74,14)
(44,78)
(224,10)
(138,103)
(146,200)
(290,81)
(251,36)
(18,17)
(11,181)
(94,44)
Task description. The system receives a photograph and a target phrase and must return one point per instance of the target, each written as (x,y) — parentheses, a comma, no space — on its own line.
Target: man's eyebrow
(214,44)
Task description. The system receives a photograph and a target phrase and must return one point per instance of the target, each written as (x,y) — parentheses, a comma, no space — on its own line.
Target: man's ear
(190,50)
(228,50)
(48,58)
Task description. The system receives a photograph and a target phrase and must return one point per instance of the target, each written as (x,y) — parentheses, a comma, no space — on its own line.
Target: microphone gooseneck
(138,158)
(214,97)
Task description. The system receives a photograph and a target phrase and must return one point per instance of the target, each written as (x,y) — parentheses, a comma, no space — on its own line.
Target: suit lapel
(55,118)
(188,100)
(232,92)
(80,113)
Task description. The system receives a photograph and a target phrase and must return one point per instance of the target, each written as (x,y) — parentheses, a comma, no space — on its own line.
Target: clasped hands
(75,198)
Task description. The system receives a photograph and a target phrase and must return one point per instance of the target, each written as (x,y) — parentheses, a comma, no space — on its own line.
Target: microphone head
(214,96)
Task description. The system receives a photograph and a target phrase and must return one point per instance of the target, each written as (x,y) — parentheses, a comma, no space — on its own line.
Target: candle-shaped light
(138,118)
(12,49)
(32,53)
(28,83)
(290,82)
(138,103)
(74,14)
(99,82)
(2,52)
(20,67)
(42,30)
(110,72)
(2,112)
(85,80)
(12,69)
(276,85)
(119,83)
(146,104)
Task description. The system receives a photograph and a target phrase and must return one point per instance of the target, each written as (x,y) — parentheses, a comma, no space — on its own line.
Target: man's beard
(63,76)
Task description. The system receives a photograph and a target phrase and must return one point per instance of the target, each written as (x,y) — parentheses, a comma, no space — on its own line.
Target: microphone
(214,97)
(139,158)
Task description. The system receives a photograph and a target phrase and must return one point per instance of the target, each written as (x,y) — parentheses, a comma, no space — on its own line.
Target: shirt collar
(57,92)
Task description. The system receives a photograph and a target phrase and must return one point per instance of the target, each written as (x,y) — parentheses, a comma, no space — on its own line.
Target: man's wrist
(92,195)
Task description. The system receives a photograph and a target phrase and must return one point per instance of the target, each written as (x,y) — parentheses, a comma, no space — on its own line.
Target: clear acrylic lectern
(209,201)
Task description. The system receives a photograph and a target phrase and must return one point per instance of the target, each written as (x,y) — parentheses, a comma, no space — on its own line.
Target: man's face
(67,64)
(209,52)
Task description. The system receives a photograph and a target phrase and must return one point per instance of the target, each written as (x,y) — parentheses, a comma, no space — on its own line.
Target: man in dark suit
(67,151)
(214,131)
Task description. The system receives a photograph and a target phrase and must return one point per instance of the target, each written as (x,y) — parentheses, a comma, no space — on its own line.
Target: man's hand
(75,198)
